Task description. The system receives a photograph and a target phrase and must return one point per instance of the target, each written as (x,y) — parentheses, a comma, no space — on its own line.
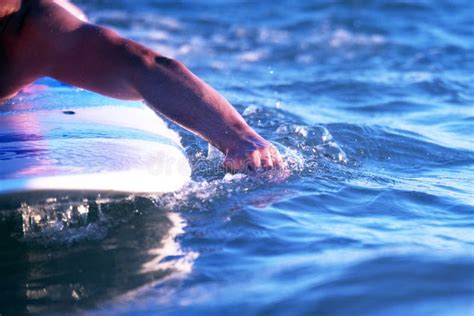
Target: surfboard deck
(121,148)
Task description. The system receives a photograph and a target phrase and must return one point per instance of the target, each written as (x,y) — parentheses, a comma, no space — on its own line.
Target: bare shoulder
(29,39)
(50,13)
(13,17)
(8,7)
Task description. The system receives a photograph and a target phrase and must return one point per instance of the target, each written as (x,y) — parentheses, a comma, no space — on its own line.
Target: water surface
(371,103)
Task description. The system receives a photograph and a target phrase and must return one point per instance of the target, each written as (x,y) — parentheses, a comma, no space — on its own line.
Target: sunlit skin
(49,38)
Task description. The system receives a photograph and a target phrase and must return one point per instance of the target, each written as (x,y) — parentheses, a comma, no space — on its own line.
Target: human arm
(98,59)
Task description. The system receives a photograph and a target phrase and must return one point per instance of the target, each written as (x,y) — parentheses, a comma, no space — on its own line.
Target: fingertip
(267,164)
(276,158)
(266,160)
(255,160)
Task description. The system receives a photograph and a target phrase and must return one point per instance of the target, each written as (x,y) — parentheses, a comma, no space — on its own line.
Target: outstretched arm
(98,59)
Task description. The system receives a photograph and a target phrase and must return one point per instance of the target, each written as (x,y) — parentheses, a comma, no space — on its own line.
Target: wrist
(243,141)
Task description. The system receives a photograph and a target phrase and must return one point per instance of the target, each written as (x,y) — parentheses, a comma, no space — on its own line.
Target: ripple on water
(370,103)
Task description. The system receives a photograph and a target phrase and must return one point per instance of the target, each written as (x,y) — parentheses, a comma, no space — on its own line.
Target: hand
(252,155)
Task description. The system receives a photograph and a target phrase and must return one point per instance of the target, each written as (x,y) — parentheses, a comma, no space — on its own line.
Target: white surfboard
(123,148)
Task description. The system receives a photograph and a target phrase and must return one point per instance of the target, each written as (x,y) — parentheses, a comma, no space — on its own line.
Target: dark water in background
(372,104)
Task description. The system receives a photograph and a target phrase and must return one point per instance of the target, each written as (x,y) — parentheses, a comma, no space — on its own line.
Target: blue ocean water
(371,103)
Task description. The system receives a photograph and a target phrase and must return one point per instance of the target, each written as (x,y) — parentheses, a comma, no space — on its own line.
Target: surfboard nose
(97,148)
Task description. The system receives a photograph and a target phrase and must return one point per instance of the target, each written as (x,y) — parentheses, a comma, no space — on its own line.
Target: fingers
(276,157)
(250,163)
(255,160)
(264,158)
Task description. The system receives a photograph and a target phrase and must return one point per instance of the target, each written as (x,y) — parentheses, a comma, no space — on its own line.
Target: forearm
(170,88)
